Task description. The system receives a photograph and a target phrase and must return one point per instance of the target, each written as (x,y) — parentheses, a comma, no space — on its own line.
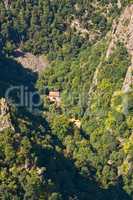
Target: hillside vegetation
(78,146)
(46,26)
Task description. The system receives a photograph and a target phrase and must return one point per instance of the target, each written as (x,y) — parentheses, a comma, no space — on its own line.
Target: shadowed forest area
(34,149)
(66,132)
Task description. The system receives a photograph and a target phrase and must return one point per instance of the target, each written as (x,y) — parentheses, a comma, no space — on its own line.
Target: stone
(123,31)
(5,117)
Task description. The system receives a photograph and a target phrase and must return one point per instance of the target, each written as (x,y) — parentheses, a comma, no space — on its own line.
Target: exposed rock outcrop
(123,31)
(84,32)
(5,117)
(28,60)
(7,3)
(119,4)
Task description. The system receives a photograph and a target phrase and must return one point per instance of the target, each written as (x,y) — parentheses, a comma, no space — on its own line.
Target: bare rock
(119,4)
(30,61)
(5,117)
(123,31)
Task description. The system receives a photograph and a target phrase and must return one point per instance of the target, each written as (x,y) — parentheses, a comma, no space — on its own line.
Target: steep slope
(28,60)
(81,149)
(36,164)
(56,28)
(92,92)
(5,116)
(123,32)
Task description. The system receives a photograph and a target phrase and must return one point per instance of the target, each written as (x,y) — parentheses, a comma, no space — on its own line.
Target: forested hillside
(77,144)
(57,28)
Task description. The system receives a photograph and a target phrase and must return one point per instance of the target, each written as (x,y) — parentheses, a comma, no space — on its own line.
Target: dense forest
(79,145)
(50,27)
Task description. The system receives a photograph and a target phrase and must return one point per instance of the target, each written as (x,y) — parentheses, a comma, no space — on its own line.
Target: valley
(66,100)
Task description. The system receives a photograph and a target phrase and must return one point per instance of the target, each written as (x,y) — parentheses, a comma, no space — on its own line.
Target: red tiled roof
(54,94)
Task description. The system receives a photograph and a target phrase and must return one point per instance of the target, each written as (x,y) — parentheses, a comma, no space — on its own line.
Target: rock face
(7,3)
(79,28)
(5,117)
(28,60)
(123,31)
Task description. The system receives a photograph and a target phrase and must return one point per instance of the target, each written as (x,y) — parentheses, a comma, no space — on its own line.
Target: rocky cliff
(30,61)
(5,117)
(123,32)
